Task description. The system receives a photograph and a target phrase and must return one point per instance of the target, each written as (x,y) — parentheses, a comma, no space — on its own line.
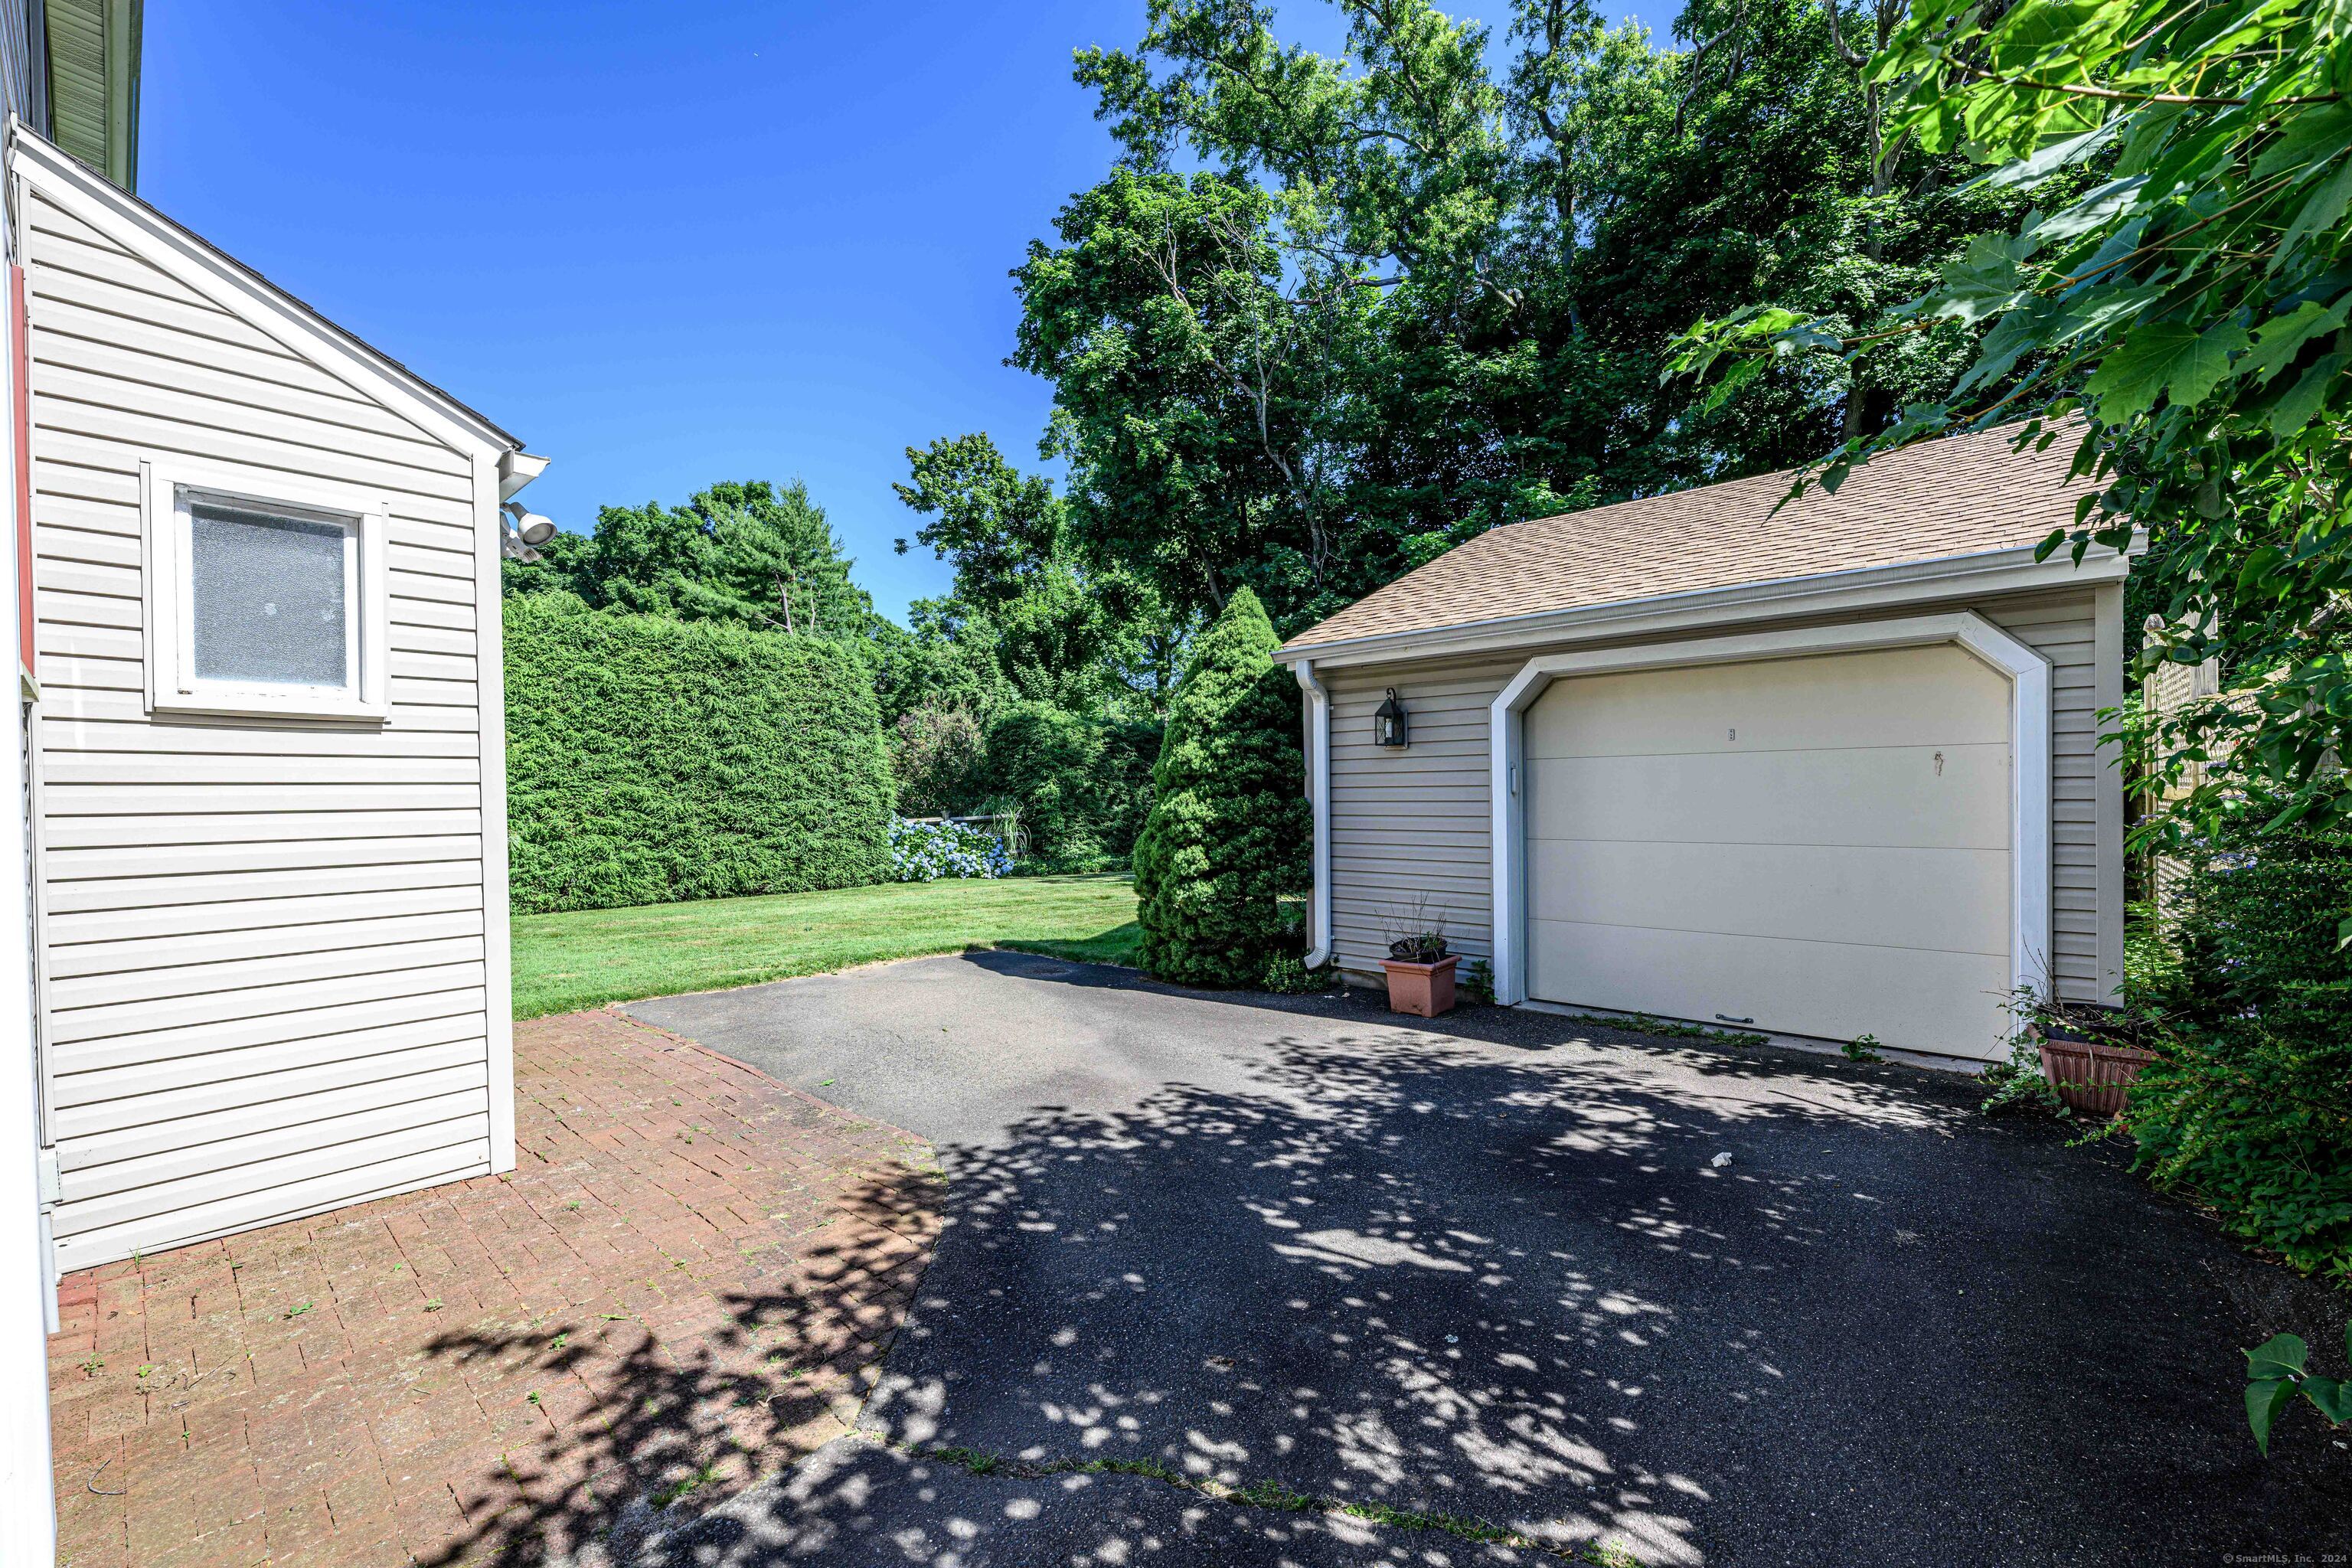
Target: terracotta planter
(2091,1078)
(1425,990)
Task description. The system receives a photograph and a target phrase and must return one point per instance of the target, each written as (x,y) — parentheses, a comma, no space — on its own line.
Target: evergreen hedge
(1228,833)
(650,759)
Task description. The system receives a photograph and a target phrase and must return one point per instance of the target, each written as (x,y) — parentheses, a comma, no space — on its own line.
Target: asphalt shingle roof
(1964,495)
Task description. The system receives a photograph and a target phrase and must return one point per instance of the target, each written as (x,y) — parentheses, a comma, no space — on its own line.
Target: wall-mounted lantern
(1389,722)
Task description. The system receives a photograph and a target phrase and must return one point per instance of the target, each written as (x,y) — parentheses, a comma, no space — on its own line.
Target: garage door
(1821,844)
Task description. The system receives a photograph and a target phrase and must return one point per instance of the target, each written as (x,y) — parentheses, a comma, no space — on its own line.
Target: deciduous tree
(2185,324)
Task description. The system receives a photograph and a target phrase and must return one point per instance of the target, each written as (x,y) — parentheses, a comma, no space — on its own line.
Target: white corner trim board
(1318,803)
(2029,751)
(495,483)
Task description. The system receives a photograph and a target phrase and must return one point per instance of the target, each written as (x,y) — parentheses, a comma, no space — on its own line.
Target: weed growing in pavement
(684,1485)
(1272,1494)
(1666,1028)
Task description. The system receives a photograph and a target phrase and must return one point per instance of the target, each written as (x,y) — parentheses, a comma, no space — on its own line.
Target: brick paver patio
(685,1282)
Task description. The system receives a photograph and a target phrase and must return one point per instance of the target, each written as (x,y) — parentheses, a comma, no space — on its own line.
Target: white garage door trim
(2029,796)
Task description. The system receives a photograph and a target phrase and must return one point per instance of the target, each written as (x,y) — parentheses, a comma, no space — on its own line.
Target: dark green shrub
(2256,931)
(1042,760)
(935,752)
(651,760)
(1080,783)
(1123,782)
(1228,837)
(2249,1104)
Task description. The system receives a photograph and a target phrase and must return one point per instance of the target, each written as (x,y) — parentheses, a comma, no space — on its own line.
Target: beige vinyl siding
(1415,826)
(264,965)
(1412,826)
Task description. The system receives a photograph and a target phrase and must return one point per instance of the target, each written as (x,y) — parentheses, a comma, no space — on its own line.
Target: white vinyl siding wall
(264,955)
(1415,826)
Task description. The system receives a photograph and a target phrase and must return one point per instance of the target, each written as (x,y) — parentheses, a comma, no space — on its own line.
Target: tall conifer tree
(1229,831)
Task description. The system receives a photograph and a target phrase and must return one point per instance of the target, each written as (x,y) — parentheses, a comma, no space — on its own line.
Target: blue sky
(664,244)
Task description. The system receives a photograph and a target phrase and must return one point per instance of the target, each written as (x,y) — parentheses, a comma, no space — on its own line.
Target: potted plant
(2092,1055)
(1420,969)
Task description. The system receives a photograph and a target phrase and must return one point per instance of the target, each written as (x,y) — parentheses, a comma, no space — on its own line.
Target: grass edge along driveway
(585,958)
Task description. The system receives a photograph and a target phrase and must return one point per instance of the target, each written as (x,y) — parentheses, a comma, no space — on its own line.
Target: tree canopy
(2183,321)
(744,551)
(1331,315)
(1084,638)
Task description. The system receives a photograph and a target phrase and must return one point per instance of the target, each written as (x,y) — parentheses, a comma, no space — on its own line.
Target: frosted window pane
(268,598)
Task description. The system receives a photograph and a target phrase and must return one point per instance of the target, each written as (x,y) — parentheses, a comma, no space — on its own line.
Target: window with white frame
(264,596)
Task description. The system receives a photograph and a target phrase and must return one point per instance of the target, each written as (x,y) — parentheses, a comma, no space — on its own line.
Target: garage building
(1830,769)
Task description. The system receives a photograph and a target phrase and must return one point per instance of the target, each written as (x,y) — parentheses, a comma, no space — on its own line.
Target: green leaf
(2168,359)
(2263,1402)
(1738,376)
(2101,268)
(2311,137)
(2017,333)
(2258,567)
(2097,310)
(2321,213)
(2279,340)
(1985,283)
(2094,209)
(2303,403)
(2027,173)
(2333,1398)
(2281,1355)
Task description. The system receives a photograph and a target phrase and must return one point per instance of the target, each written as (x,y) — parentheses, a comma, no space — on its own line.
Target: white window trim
(2029,755)
(166,587)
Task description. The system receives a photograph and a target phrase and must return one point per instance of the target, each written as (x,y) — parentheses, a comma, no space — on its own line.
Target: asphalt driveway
(1497,1273)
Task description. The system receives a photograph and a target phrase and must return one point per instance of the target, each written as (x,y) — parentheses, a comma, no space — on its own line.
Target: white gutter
(1317,716)
(516,469)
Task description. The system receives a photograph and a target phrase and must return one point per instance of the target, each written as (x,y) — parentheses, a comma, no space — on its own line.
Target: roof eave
(2010,570)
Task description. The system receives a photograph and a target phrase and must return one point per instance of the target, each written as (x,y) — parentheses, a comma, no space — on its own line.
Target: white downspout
(1319,797)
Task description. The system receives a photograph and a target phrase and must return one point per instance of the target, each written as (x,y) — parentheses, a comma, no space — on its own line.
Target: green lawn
(562,962)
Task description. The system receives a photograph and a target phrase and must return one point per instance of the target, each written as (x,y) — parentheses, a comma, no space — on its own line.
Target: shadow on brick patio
(687,1281)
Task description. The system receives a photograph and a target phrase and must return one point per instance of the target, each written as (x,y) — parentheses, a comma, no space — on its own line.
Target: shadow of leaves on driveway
(1524,1291)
